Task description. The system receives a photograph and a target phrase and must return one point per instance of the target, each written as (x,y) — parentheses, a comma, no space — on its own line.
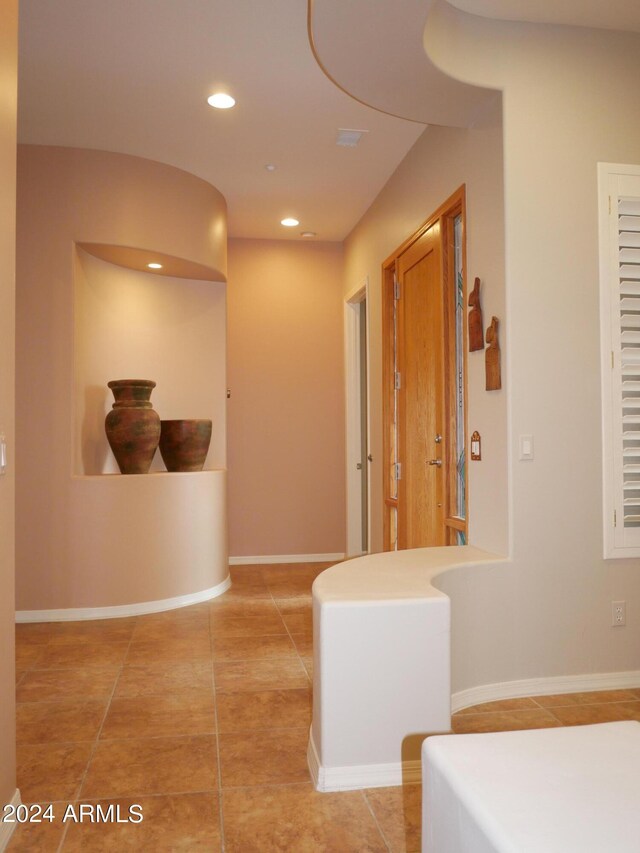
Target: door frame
(354,451)
(454,205)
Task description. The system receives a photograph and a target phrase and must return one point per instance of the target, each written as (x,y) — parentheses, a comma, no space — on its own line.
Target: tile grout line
(97,738)
(290,635)
(375,820)
(217,727)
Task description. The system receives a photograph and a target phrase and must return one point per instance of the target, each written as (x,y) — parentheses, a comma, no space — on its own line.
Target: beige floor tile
(160,716)
(165,678)
(29,655)
(266,758)
(246,582)
(35,633)
(253,648)
(307,662)
(41,685)
(149,651)
(270,674)
(501,705)
(43,837)
(579,715)
(297,818)
(179,614)
(130,768)
(188,822)
(270,709)
(399,815)
(303,643)
(159,630)
(48,772)
(241,608)
(244,591)
(253,625)
(593,697)
(297,615)
(293,587)
(59,722)
(93,631)
(251,573)
(75,655)
(499,721)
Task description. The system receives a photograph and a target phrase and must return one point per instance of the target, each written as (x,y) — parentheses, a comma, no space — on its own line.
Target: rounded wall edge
(123,200)
(142,538)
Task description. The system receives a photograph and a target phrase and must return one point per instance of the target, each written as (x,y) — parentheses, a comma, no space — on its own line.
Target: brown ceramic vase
(184,444)
(132,426)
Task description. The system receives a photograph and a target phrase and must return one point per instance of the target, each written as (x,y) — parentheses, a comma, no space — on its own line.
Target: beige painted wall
(286,412)
(8,99)
(569,102)
(73,195)
(440,161)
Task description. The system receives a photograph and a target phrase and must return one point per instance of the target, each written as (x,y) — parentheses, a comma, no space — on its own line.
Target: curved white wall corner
(387,645)
(381,668)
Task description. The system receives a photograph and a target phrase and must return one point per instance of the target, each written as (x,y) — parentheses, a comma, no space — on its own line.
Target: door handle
(436,462)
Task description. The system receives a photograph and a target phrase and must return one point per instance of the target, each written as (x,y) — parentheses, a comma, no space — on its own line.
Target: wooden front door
(420,368)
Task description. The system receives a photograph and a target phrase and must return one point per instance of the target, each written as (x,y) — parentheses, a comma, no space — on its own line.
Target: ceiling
(605,14)
(133,76)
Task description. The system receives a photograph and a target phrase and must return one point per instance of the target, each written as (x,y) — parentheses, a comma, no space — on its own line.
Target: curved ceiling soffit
(612,15)
(373,50)
(456,43)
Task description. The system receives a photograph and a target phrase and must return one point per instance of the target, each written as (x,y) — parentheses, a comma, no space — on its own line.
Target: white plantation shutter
(619,202)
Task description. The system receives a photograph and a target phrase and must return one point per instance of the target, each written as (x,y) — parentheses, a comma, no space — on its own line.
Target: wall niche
(130,324)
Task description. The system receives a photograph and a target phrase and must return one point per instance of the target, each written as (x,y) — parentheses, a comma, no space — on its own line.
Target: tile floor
(201,716)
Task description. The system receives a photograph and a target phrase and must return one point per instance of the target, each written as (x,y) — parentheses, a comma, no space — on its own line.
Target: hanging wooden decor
(476,340)
(492,357)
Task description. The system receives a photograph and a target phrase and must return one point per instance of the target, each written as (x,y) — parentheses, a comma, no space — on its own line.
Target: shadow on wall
(94,453)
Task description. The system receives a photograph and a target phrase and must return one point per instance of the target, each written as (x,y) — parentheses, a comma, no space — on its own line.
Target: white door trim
(354,452)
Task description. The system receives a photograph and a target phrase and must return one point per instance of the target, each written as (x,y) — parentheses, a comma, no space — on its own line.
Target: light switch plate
(526,447)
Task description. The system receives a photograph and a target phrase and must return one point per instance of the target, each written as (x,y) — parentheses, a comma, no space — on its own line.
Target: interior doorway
(357,405)
(424,347)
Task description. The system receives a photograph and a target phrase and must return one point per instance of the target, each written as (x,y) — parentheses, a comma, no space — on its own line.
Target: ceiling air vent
(349,138)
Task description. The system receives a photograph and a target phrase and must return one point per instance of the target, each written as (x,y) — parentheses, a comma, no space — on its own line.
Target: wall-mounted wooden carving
(476,448)
(476,340)
(492,357)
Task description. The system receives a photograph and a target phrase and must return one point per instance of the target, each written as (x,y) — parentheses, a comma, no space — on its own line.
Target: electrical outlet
(618,613)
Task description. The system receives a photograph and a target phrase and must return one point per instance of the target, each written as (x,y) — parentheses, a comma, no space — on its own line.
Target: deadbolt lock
(438,438)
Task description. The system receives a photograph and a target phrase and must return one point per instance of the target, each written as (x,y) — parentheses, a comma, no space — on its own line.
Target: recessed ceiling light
(307,233)
(289,222)
(270,167)
(155,266)
(221,101)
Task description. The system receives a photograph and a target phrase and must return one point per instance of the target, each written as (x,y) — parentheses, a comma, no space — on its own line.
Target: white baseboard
(353,778)
(6,829)
(76,614)
(544,687)
(286,558)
